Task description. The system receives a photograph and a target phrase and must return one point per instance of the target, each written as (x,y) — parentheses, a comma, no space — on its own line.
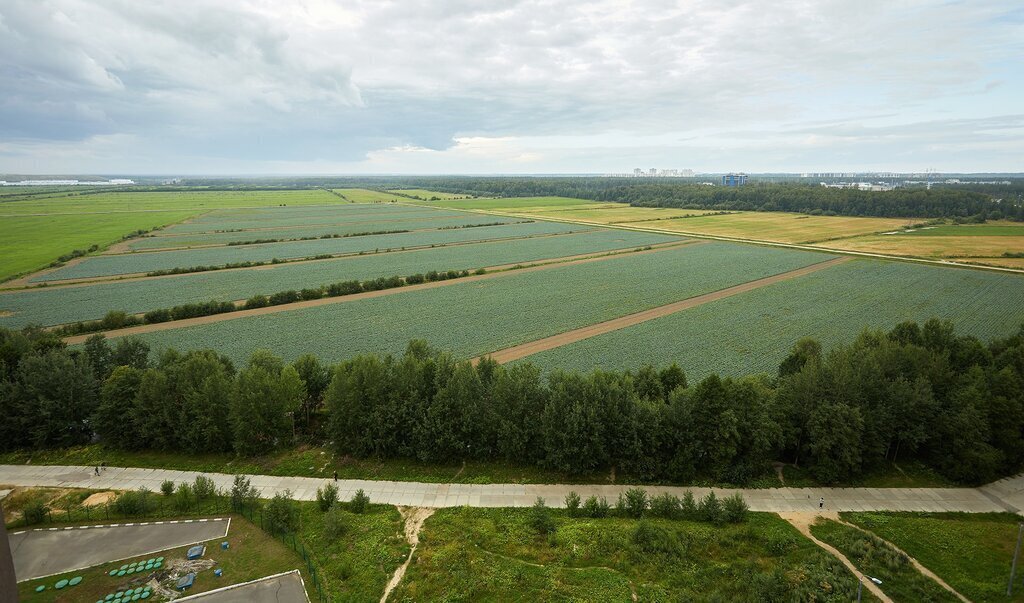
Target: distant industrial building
(660,173)
(734,179)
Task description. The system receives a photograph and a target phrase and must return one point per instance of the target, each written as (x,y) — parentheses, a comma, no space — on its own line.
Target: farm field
(976,243)
(496,555)
(35,232)
(354,226)
(472,318)
(426,195)
(110,265)
(56,305)
(777,226)
(520,204)
(363,195)
(753,332)
(942,542)
(616,213)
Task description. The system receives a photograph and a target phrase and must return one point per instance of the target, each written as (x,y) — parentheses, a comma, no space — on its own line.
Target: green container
(40,588)
(109,597)
(145,594)
(112,572)
(75,581)
(125,566)
(60,584)
(128,592)
(158,564)
(136,597)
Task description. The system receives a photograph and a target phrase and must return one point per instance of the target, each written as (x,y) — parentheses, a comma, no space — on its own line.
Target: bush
(596,508)
(335,523)
(308,294)
(666,505)
(540,518)
(359,502)
(243,493)
(710,509)
(734,509)
(655,540)
(344,288)
(257,301)
(203,488)
(326,497)
(284,297)
(155,316)
(415,279)
(688,506)
(183,497)
(34,512)
(635,502)
(133,502)
(167,487)
(280,513)
(572,504)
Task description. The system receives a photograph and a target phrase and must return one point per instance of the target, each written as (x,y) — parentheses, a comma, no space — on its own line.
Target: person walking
(335,476)
(821,503)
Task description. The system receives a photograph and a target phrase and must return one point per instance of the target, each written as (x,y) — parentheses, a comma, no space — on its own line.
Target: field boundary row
(556,341)
(499,271)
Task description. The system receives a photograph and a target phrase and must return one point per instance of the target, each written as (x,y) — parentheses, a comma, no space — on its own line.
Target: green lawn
(468,554)
(971,552)
(872,556)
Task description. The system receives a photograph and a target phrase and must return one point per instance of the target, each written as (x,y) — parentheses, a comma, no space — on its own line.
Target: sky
(469,86)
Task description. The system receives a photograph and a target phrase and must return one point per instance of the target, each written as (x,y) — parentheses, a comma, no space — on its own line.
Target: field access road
(1004,495)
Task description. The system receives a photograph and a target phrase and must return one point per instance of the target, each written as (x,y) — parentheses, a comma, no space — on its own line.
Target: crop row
(51,306)
(478,317)
(348,228)
(753,332)
(217,256)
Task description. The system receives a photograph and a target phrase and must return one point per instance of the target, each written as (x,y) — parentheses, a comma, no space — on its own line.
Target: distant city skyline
(364,87)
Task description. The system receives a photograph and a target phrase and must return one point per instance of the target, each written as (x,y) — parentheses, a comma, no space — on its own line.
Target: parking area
(45,552)
(282,588)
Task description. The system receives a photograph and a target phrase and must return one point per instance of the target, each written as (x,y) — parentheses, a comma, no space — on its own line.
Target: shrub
(688,506)
(167,487)
(307,294)
(666,505)
(480,271)
(284,297)
(155,316)
(359,502)
(326,497)
(183,497)
(635,502)
(572,504)
(596,508)
(335,523)
(710,509)
(34,512)
(133,502)
(344,288)
(243,493)
(734,509)
(257,301)
(415,279)
(203,488)
(280,512)
(540,518)
(655,540)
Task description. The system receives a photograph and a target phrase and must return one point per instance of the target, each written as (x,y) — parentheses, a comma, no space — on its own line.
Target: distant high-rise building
(638,172)
(652,172)
(734,179)
(686,173)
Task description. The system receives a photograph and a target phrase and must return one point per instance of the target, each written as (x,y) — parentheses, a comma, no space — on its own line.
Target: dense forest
(917,392)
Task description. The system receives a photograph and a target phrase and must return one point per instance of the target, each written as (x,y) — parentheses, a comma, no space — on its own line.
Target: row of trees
(918,391)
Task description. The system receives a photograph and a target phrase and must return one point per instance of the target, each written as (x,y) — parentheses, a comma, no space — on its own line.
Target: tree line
(917,392)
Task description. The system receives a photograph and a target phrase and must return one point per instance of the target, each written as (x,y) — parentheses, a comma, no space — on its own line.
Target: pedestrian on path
(821,503)
(96,469)
(335,476)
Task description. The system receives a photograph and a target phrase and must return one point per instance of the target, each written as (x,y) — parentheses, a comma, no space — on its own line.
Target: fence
(292,540)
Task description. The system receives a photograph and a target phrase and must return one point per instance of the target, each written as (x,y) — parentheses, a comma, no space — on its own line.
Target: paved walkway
(1004,495)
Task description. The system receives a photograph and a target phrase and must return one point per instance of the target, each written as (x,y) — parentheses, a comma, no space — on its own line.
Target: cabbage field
(753,332)
(56,305)
(471,318)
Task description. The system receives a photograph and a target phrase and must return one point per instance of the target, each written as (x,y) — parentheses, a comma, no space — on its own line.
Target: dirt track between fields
(504,270)
(555,341)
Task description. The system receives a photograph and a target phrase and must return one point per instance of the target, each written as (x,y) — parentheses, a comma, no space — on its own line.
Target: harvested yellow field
(617,213)
(778,226)
(934,247)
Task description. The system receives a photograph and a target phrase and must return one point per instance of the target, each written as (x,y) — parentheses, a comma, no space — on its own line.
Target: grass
(515,204)
(252,554)
(617,213)
(753,332)
(362,195)
(52,305)
(877,559)
(495,555)
(494,313)
(972,552)
(426,195)
(36,231)
(112,265)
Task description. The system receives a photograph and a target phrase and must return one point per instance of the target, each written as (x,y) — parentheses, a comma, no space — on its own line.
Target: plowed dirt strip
(555,341)
(535,266)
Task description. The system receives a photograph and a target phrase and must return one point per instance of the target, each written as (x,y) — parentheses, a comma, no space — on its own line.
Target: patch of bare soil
(414,518)
(555,341)
(99,498)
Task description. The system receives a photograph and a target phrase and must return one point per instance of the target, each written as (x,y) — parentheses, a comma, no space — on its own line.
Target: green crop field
(972,552)
(517,203)
(35,232)
(280,217)
(468,554)
(430,195)
(350,227)
(754,331)
(51,305)
(109,265)
(362,195)
(472,318)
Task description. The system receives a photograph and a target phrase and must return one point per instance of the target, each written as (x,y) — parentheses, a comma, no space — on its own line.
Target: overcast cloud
(464,86)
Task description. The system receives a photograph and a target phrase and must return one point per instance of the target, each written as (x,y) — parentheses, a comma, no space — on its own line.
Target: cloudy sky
(473,86)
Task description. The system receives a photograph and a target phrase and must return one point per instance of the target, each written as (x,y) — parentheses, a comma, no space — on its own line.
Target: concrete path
(1005,495)
(281,588)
